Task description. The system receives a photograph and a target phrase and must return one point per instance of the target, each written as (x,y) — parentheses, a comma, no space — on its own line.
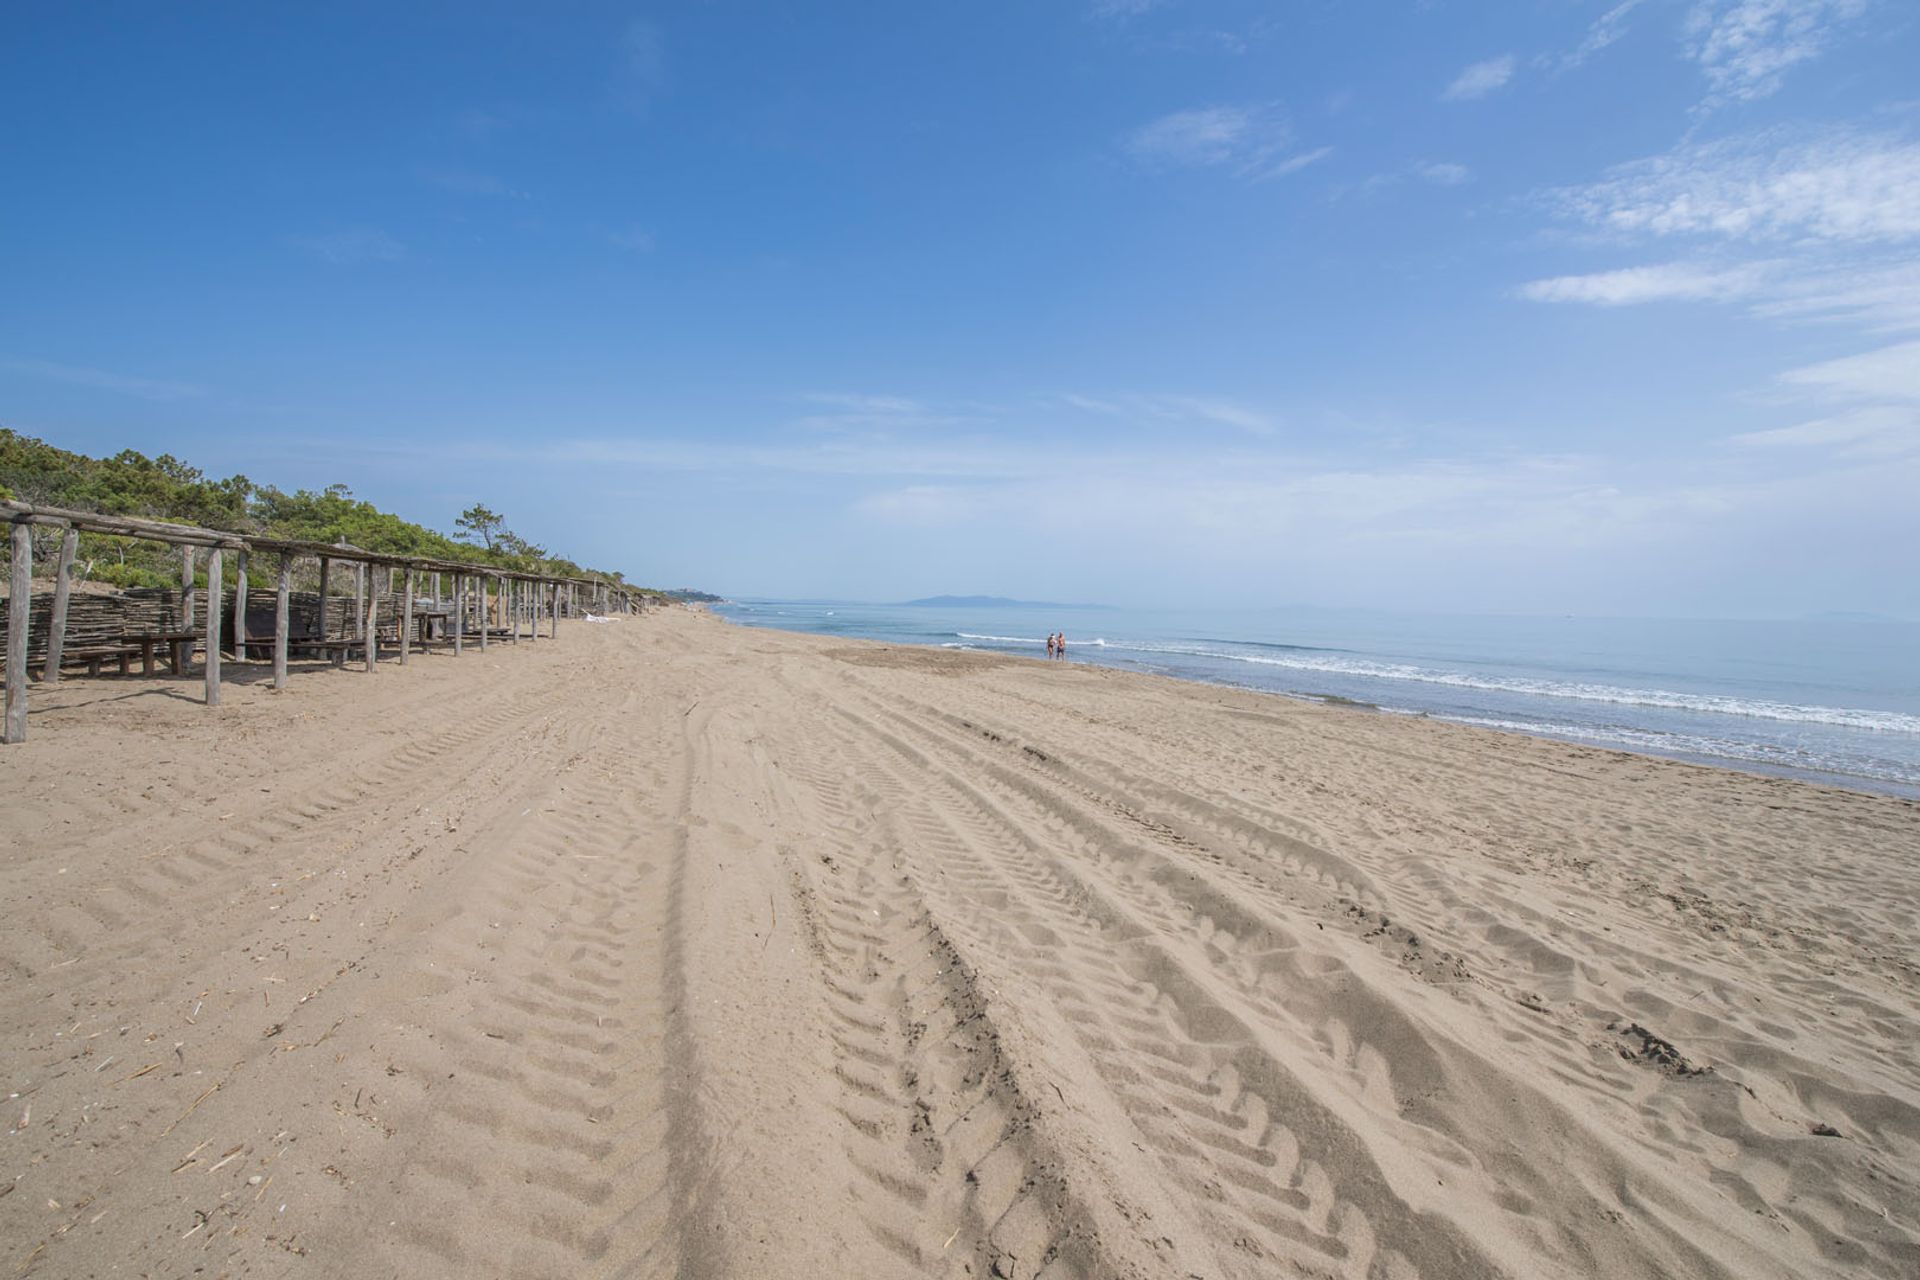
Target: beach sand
(680,949)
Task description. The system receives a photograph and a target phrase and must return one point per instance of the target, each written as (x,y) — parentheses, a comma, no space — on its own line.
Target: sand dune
(676,949)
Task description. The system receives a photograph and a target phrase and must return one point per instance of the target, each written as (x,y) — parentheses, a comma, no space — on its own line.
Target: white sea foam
(1774,753)
(1717,704)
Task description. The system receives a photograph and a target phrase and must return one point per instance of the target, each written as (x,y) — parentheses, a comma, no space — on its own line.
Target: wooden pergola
(521,596)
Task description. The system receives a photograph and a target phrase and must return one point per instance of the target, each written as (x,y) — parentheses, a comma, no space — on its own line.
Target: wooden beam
(406,618)
(281,622)
(213,627)
(18,601)
(62,590)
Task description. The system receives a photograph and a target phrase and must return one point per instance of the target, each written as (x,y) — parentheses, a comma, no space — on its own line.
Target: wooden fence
(173,622)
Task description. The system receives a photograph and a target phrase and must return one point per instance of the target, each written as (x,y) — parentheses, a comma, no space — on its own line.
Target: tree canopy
(165,488)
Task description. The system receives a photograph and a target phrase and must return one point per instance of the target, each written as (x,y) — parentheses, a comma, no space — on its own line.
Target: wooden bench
(94,655)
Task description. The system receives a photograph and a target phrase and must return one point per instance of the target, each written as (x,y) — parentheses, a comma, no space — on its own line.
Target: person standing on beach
(1049,644)
(1060,646)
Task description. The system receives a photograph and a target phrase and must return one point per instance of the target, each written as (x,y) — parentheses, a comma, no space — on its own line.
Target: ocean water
(1837,701)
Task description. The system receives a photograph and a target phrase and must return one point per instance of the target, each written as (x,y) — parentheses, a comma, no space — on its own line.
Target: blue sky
(1542,306)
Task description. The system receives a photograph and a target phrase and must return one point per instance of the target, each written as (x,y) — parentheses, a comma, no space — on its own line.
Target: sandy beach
(680,949)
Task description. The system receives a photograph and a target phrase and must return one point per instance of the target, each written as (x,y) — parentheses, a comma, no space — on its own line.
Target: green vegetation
(165,488)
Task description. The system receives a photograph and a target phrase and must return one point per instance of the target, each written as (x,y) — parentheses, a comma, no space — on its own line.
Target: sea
(1834,700)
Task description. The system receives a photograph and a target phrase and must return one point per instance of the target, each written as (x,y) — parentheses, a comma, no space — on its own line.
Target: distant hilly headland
(991,602)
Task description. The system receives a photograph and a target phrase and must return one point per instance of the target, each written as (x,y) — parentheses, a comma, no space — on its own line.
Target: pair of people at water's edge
(1057,645)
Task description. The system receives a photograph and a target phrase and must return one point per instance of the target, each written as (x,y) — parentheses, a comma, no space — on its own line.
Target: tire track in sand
(955,1181)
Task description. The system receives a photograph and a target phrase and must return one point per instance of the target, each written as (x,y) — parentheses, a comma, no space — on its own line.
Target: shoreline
(674,948)
(1837,779)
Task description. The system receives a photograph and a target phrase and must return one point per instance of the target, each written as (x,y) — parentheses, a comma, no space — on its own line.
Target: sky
(1541,306)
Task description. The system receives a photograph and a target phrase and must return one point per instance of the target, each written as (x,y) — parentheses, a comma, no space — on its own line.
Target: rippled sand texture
(676,949)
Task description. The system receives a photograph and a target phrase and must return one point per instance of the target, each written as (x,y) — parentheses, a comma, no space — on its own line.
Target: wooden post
(406,619)
(370,630)
(240,606)
(326,567)
(62,589)
(553,630)
(436,587)
(281,622)
(459,613)
(513,607)
(480,581)
(360,602)
(17,604)
(213,628)
(186,589)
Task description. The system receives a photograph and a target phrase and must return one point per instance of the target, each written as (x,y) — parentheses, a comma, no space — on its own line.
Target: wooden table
(179,648)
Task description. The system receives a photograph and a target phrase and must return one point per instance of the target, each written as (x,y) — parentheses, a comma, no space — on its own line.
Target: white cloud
(1606,29)
(1160,408)
(863,403)
(1841,187)
(641,71)
(1880,431)
(633,239)
(1878,398)
(1120,10)
(103,380)
(1891,373)
(1199,136)
(1668,282)
(467,182)
(1253,141)
(1444,173)
(1480,79)
(1882,294)
(358,244)
(1746,46)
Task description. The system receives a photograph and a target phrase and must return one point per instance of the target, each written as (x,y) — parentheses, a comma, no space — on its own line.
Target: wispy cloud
(1667,282)
(1878,396)
(1745,47)
(1777,185)
(357,244)
(640,73)
(1480,79)
(1880,432)
(467,182)
(1605,30)
(1120,10)
(1253,141)
(103,380)
(1890,373)
(1163,408)
(632,239)
(1444,173)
